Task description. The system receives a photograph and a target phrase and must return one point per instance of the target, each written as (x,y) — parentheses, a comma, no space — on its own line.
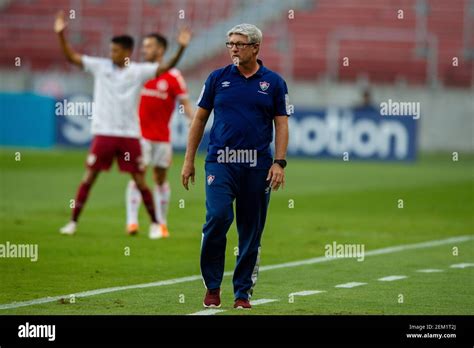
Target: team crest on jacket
(210,179)
(264,85)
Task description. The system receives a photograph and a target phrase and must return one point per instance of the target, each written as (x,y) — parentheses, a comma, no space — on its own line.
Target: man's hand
(60,22)
(187,172)
(276,175)
(60,25)
(184,36)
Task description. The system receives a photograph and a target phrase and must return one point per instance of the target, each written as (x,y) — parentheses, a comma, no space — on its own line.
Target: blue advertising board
(27,119)
(355,133)
(73,128)
(359,133)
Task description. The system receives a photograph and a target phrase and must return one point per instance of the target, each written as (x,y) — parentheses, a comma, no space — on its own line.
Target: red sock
(149,204)
(81,197)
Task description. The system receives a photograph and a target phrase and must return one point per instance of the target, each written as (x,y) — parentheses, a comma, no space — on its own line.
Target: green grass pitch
(347,202)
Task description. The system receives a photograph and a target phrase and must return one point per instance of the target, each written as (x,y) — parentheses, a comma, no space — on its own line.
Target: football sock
(148,201)
(162,195)
(157,199)
(133,198)
(81,198)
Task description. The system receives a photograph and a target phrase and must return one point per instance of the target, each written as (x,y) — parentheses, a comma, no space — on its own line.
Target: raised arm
(60,25)
(194,138)
(184,38)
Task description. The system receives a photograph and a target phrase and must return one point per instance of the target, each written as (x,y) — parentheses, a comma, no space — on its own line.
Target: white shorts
(156,153)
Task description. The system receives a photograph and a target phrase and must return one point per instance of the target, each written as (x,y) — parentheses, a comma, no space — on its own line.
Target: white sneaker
(69,228)
(155,231)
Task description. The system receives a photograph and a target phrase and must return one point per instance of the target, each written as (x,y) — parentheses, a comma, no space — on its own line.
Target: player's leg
(130,161)
(81,197)
(133,197)
(220,194)
(100,157)
(161,160)
(90,176)
(161,195)
(251,210)
(139,179)
(147,198)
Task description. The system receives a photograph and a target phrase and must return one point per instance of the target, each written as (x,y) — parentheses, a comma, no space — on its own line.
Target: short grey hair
(254,35)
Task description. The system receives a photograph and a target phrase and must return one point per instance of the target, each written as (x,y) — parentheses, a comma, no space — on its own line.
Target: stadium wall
(447,114)
(446,122)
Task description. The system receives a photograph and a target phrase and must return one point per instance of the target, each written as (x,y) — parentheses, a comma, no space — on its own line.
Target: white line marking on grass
(100,291)
(306,292)
(263,301)
(208,312)
(462,265)
(349,285)
(253,303)
(382,251)
(430,270)
(392,278)
(311,261)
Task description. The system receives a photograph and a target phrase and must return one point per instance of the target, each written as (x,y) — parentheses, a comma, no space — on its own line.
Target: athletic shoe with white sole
(155,231)
(212,298)
(242,303)
(69,228)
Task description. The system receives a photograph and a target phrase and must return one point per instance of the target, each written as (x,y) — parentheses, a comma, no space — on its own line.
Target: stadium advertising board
(357,133)
(27,120)
(352,134)
(73,120)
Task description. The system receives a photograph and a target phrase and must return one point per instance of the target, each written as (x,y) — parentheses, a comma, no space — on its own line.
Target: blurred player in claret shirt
(158,100)
(117,85)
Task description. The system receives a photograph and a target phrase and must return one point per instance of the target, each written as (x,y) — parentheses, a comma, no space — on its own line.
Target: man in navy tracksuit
(247,99)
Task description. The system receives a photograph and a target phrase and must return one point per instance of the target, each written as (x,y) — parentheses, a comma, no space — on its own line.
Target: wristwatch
(280,162)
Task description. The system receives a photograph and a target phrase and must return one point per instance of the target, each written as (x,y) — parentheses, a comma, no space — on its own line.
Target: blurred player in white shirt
(115,126)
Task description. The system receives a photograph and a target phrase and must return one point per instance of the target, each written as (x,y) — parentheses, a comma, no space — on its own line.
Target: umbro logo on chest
(264,85)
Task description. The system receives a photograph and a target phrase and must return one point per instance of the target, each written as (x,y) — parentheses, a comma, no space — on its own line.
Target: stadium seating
(26,30)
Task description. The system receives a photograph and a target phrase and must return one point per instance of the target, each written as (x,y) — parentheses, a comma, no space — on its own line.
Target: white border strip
(349,285)
(306,292)
(392,278)
(262,301)
(461,265)
(208,312)
(253,303)
(311,261)
(430,270)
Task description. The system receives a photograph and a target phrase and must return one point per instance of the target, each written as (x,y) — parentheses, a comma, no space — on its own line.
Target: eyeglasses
(239,45)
